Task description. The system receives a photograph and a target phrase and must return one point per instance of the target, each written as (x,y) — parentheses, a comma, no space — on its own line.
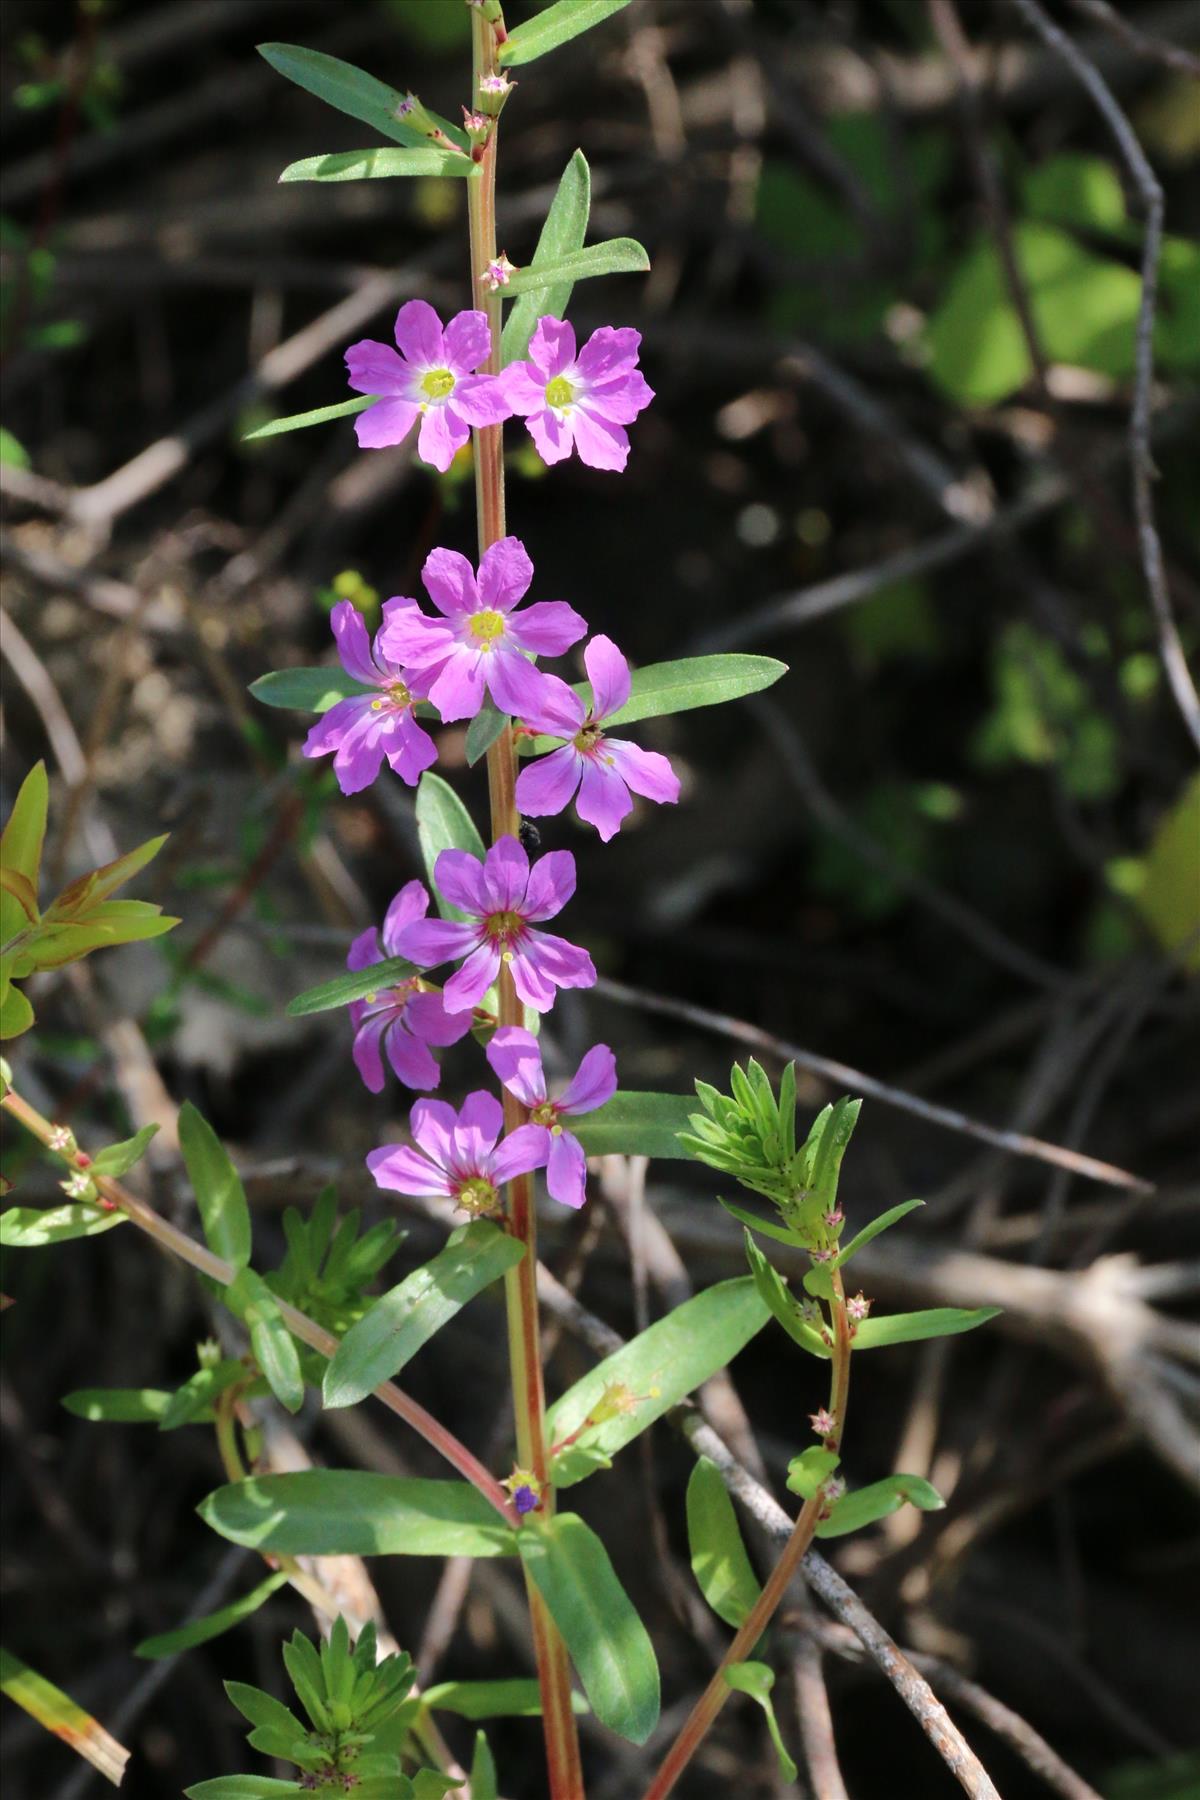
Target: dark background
(955,847)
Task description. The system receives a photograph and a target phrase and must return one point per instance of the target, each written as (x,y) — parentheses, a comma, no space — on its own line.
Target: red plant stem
(703,1714)
(301,1326)
(520,1284)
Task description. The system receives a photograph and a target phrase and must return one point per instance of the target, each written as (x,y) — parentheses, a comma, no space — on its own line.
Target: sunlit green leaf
(217,1186)
(345,1512)
(443,823)
(719,1561)
(553,26)
(886,1219)
(561,235)
(773,1291)
(757,1680)
(28,1227)
(911,1328)
(274,1348)
(615,256)
(868,1504)
(352,91)
(318,415)
(674,687)
(355,984)
(117,1159)
(118,1406)
(808,1472)
(513,1698)
(632,1124)
(21,848)
(199,1631)
(377,165)
(59,1714)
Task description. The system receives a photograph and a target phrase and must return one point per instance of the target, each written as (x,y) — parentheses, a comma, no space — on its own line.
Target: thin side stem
(299,1324)
(704,1713)
(520,1284)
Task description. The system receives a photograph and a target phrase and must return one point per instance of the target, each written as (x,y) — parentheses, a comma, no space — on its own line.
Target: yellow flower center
(437,383)
(394,695)
(587,739)
(486,626)
(478,1198)
(543,1114)
(503,925)
(559,392)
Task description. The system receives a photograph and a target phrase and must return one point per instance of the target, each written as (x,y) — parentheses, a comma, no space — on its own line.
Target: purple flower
(363,729)
(602,769)
(504,898)
(457,1156)
(431,380)
(404,1019)
(480,641)
(579,402)
(517,1062)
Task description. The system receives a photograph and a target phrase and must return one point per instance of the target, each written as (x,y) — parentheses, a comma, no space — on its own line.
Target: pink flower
(503,899)
(517,1062)
(404,1019)
(579,402)
(457,1157)
(431,380)
(365,728)
(602,769)
(480,641)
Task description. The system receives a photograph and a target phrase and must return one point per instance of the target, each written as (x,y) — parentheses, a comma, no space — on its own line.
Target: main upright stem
(520,1284)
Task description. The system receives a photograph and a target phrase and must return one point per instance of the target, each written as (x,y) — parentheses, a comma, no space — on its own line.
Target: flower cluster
(480,644)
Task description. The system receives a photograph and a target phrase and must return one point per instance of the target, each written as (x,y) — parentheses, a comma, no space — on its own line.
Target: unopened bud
(411,112)
(526,1490)
(498,273)
(835,1219)
(477,126)
(493,91)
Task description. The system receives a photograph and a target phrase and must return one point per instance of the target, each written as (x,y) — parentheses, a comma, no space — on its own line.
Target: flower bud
(477,126)
(208,1353)
(62,1140)
(496,274)
(80,1187)
(493,91)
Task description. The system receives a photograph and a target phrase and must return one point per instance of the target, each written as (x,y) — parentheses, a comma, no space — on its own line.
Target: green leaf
(562,234)
(29,1227)
(16,1014)
(553,26)
(773,1291)
(376,165)
(658,1367)
(606,1640)
(354,985)
(336,1512)
(61,1715)
(118,1159)
(910,1328)
(769,1227)
(615,256)
(483,731)
(195,1399)
(274,1349)
(21,848)
(719,1561)
(352,91)
(505,1699)
(809,1471)
(868,1504)
(635,1125)
(263,1710)
(217,1187)
(397,1325)
(757,1680)
(443,823)
(674,687)
(318,415)
(118,1406)
(13,454)
(885,1219)
(827,1146)
(199,1631)
(241,1787)
(484,1783)
(1169,894)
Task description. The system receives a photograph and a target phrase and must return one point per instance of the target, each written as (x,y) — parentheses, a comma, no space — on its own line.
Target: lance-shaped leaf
(757,1680)
(615,256)
(21,851)
(484,1782)
(719,1561)
(119,1406)
(58,1713)
(505,1699)
(783,1234)
(274,1348)
(318,415)
(443,823)
(195,1399)
(217,1186)
(82,896)
(562,234)
(117,1159)
(636,1384)
(199,1631)
(882,1223)
(675,687)
(635,1125)
(353,91)
(555,25)
(345,1512)
(247,1787)
(355,984)
(911,1328)
(379,165)
(483,731)
(16,1014)
(827,1145)
(773,1291)
(607,1642)
(877,1501)
(397,1325)
(29,1227)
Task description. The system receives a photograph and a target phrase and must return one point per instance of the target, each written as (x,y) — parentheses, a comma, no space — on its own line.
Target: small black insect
(531,837)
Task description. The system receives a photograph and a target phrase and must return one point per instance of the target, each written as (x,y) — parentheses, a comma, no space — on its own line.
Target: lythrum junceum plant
(476,953)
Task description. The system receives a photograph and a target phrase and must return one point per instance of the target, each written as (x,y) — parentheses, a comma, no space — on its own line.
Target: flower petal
(367,1051)
(505,573)
(552,346)
(419,334)
(450,582)
(326,735)
(432,1124)
(608,672)
(386,423)
(460,879)
(405,1171)
(547,785)
(412,1060)
(364,950)
(442,436)
(512,681)
(506,875)
(467,342)
(593,1083)
(353,643)
(427,1019)
(428,942)
(358,756)
(481,400)
(410,904)
(516,1062)
(479,1125)
(566,1171)
(524,1149)
(545,962)
(619,401)
(524,389)
(466,989)
(547,628)
(645,771)
(601,444)
(612,350)
(374,368)
(458,690)
(552,435)
(603,799)
(408,747)
(412,639)
(551,885)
